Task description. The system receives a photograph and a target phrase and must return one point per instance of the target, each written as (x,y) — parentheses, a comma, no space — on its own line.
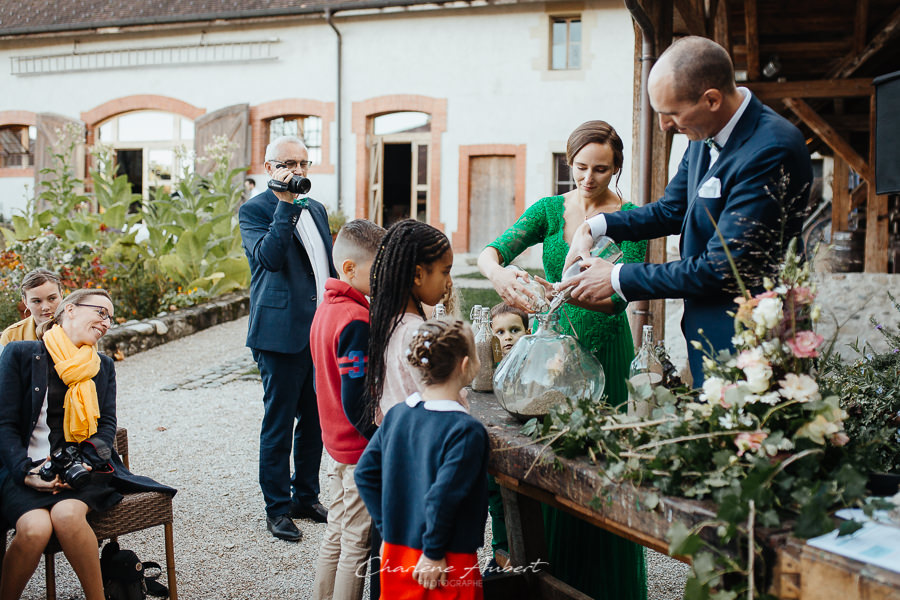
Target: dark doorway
(131,164)
(397,182)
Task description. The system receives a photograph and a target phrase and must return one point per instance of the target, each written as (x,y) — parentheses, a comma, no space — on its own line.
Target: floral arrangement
(763,439)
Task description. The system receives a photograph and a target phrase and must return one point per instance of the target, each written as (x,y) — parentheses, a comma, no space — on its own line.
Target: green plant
(869,388)
(336,220)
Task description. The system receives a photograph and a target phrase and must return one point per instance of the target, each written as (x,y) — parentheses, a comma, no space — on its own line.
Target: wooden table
(530,475)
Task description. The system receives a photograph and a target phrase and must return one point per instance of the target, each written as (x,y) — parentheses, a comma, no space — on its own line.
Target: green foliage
(192,251)
(763,439)
(869,388)
(336,220)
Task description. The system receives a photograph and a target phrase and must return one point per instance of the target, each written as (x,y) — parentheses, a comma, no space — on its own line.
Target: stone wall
(135,336)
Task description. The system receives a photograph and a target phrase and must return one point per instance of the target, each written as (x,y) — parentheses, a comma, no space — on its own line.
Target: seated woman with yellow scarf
(58,399)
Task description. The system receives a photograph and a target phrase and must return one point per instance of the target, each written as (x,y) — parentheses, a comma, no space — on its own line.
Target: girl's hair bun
(438,347)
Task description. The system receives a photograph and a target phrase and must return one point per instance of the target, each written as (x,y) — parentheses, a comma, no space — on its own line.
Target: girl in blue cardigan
(423,475)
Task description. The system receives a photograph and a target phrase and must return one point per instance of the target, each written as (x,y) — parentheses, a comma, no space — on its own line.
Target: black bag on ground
(124,577)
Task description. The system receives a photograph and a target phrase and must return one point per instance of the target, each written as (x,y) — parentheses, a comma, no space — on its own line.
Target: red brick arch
(93,117)
(368,109)
(261,113)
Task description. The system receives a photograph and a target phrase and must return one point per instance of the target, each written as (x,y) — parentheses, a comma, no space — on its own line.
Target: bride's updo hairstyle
(438,347)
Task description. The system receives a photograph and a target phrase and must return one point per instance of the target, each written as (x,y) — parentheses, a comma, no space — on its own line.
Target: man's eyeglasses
(293,164)
(101,311)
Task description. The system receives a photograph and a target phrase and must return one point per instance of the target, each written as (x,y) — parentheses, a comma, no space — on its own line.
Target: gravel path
(192,408)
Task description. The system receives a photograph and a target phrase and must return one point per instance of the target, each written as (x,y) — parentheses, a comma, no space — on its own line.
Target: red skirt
(397,583)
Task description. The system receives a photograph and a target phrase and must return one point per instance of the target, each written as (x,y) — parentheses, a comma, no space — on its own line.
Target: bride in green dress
(596,562)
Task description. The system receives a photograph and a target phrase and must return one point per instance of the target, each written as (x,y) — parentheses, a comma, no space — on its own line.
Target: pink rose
(802,295)
(749,441)
(840,438)
(804,344)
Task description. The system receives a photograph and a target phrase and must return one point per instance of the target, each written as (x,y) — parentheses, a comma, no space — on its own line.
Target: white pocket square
(711,188)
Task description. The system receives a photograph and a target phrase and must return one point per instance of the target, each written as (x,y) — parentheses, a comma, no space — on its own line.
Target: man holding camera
(288,244)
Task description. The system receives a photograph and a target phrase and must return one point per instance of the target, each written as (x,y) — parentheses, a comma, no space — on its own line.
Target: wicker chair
(135,512)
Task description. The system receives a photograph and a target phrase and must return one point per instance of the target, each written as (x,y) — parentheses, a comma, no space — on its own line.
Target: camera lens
(77,476)
(47,472)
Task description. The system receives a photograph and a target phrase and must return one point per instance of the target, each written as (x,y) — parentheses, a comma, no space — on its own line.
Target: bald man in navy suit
(740,152)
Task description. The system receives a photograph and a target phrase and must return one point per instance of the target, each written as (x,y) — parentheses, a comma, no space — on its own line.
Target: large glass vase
(545,368)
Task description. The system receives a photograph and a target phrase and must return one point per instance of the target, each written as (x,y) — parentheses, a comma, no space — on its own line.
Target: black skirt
(16,499)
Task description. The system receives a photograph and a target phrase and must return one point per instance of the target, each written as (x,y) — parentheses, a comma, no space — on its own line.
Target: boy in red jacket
(339,341)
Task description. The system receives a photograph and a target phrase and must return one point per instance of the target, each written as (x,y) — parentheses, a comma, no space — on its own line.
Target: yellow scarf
(76,367)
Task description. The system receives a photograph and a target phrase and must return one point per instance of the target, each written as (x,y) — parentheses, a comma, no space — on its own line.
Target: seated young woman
(58,399)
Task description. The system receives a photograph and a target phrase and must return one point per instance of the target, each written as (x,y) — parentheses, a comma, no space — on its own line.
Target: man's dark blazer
(24,375)
(282,284)
(746,210)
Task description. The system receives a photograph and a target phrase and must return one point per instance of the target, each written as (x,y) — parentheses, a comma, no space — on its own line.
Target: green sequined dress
(590,559)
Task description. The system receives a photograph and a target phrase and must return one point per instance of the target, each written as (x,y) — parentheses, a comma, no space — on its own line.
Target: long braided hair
(407,244)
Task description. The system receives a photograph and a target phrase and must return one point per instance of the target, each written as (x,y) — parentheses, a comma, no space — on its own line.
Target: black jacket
(24,373)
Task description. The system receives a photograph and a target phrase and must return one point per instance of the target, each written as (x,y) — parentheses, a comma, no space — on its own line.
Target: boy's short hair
(37,277)
(358,240)
(503,308)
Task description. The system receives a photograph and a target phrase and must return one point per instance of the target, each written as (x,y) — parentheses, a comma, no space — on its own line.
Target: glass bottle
(645,374)
(483,381)
(539,301)
(544,369)
(604,247)
(439,311)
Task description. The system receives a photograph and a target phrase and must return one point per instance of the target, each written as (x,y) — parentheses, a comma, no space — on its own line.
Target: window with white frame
(562,177)
(565,43)
(306,127)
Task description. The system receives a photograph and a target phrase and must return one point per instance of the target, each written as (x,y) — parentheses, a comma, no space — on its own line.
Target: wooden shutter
(376,174)
(234,123)
(49,128)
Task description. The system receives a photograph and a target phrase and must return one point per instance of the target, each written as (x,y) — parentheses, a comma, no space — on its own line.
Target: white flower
(770,398)
(727,421)
(713,388)
(758,378)
(768,312)
(799,387)
(745,419)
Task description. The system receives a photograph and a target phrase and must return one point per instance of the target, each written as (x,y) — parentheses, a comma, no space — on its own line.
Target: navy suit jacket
(747,210)
(282,282)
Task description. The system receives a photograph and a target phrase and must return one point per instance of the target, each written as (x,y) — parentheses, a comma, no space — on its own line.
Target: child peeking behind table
(423,475)
(509,324)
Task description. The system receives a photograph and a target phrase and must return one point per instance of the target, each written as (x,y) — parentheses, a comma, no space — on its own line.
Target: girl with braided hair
(423,476)
(411,269)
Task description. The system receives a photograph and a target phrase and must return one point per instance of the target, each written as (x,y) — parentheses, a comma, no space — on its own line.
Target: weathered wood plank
(877,234)
(824,88)
(751,35)
(840,194)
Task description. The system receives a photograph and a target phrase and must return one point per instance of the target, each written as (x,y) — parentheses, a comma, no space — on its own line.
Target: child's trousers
(344,552)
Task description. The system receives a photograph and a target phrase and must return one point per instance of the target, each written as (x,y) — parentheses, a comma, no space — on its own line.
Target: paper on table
(874,544)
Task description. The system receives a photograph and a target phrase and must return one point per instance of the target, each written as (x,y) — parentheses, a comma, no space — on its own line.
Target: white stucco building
(498,87)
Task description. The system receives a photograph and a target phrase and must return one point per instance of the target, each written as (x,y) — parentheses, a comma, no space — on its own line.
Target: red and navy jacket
(423,477)
(339,342)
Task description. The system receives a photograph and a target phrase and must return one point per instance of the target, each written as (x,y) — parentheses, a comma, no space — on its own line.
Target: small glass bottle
(604,247)
(645,374)
(483,381)
(439,311)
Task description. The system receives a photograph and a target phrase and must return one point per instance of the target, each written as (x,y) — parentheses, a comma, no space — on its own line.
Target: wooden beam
(751,33)
(840,195)
(692,13)
(822,88)
(798,50)
(860,23)
(831,137)
(852,62)
(877,235)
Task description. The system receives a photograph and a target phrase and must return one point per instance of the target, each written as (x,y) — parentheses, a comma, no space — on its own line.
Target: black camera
(297,185)
(67,463)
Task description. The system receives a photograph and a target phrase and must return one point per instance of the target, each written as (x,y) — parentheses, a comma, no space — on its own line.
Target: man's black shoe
(283,528)
(315,512)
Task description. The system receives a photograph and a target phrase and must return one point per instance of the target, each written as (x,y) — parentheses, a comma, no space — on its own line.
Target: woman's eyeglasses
(100,310)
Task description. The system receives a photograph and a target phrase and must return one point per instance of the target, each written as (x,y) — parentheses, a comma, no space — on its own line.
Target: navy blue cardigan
(423,478)
(24,374)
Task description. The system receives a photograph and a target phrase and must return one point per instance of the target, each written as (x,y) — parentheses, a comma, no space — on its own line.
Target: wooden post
(876,212)
(840,195)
